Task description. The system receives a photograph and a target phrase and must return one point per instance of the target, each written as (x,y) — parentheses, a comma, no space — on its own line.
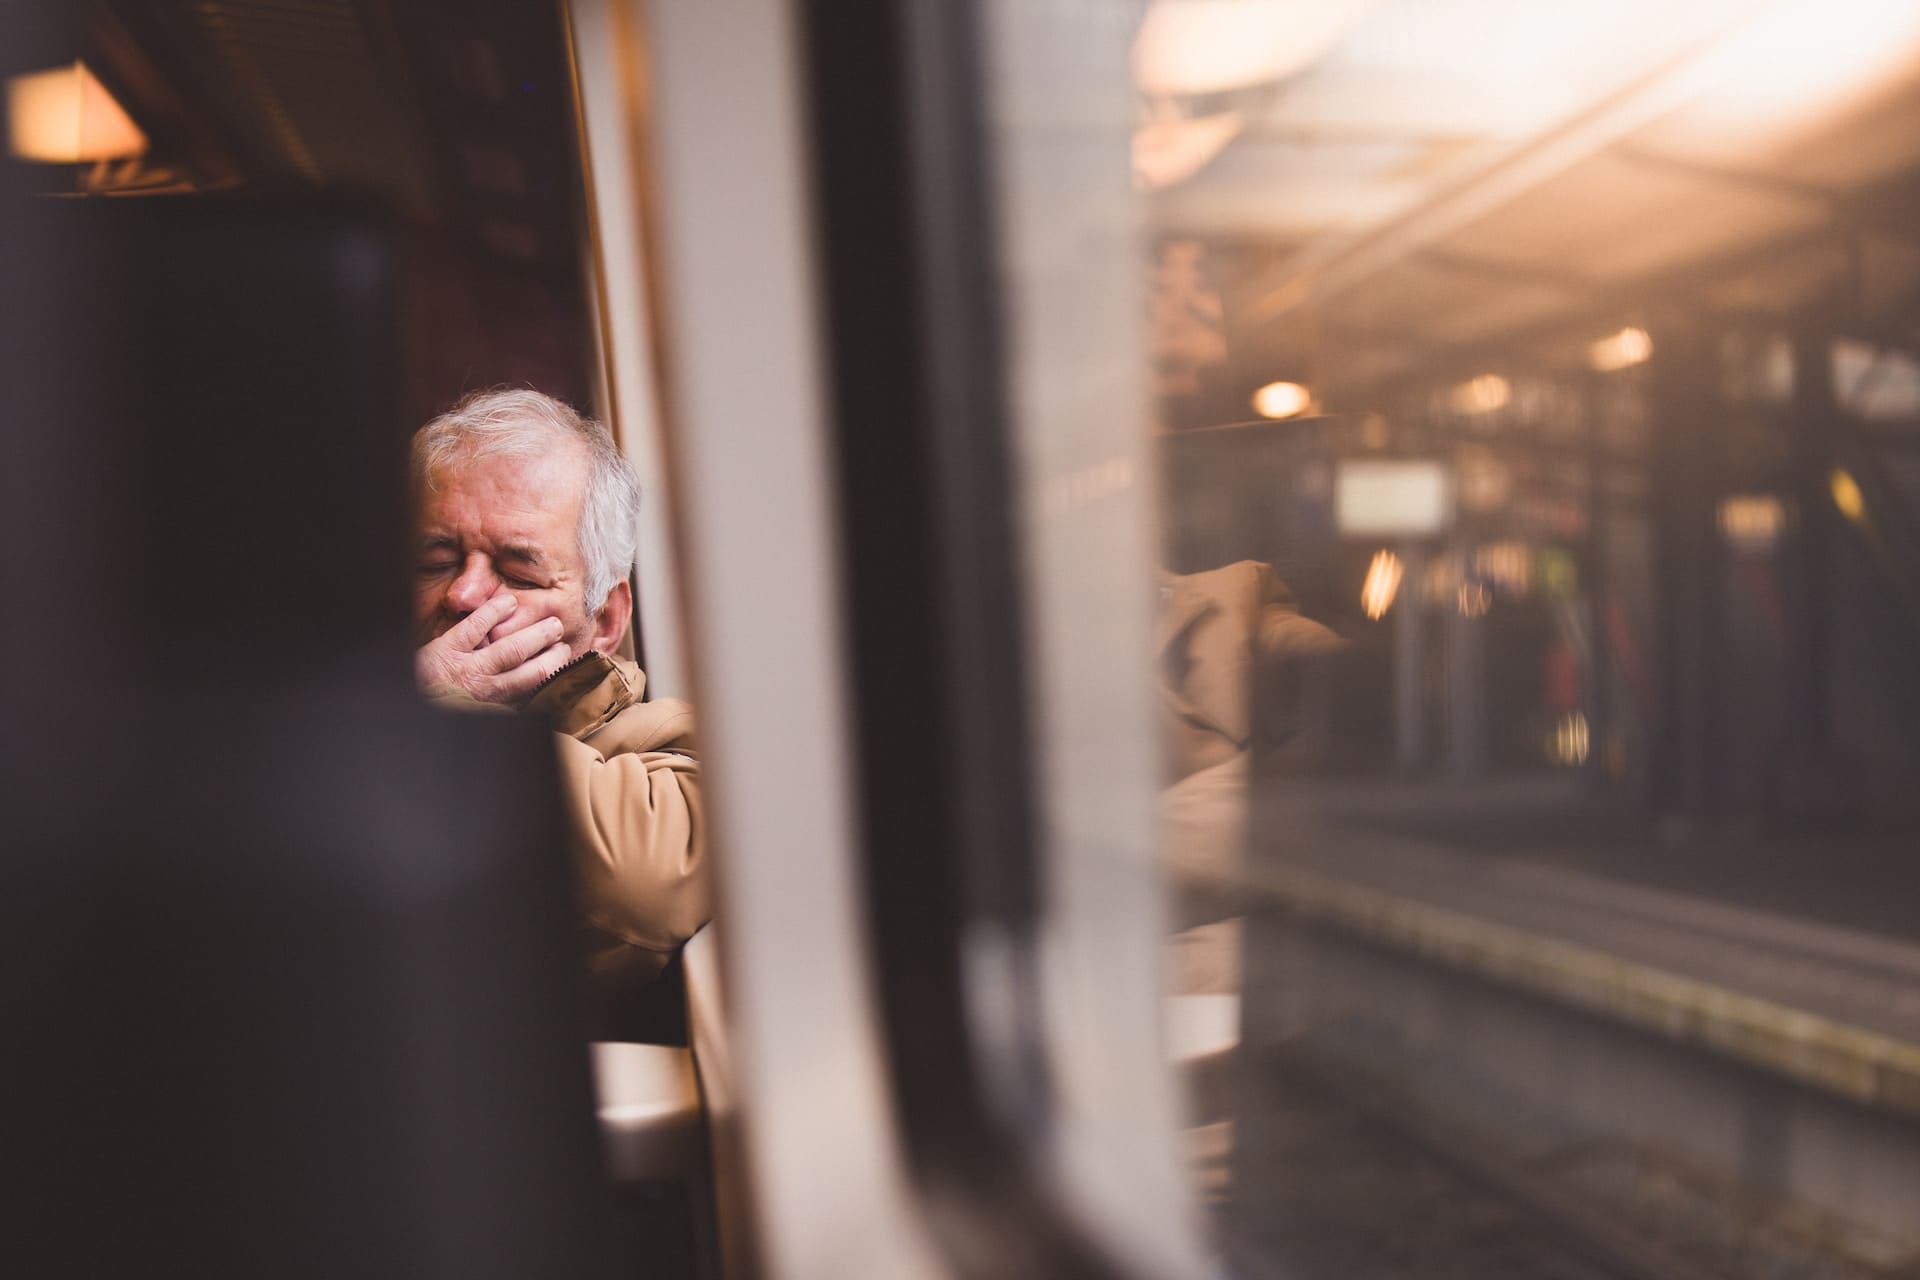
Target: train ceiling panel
(1487,312)
(1869,148)
(1853,133)
(1613,220)
(1329,184)
(1420,95)
(298,83)
(455,113)
(1778,284)
(1459,171)
(1439,299)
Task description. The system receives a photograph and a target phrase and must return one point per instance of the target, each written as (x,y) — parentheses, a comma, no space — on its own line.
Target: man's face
(489,523)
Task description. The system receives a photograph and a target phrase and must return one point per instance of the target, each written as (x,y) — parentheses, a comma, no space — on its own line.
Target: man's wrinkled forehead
(531,505)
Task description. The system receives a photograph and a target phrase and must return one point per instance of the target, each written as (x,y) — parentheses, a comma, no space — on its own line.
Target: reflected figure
(1228,643)
(527,527)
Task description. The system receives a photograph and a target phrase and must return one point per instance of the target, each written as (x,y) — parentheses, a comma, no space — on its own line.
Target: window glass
(1519,393)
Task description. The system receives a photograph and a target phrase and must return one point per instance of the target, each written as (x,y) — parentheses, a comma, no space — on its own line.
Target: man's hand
(492,655)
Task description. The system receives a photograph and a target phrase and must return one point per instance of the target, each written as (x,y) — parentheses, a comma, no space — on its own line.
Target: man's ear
(610,624)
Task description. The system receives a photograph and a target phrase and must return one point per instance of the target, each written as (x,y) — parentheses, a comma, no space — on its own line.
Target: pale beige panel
(750,451)
(1073,289)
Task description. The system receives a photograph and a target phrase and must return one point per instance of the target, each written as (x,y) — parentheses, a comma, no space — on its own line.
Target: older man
(527,526)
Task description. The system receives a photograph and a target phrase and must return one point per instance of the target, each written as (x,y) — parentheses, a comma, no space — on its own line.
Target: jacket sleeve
(1283,631)
(639,838)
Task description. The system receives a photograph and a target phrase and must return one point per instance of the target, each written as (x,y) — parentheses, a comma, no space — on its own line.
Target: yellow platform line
(1865,1066)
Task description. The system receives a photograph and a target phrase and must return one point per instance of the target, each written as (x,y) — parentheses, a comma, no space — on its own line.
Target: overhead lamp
(65,116)
(1483,394)
(1281,400)
(1620,350)
(1752,521)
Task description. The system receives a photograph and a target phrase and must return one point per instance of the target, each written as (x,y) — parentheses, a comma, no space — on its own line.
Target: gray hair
(522,423)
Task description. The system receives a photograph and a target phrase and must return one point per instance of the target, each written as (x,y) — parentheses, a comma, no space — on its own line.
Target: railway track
(1330,1180)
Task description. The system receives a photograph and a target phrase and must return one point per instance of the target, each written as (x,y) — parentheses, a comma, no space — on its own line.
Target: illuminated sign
(1380,498)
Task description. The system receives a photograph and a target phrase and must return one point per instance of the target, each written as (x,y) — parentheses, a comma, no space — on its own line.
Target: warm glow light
(1622,350)
(1847,495)
(65,116)
(1571,739)
(1752,521)
(1382,584)
(1281,400)
(1474,599)
(1483,394)
(1211,46)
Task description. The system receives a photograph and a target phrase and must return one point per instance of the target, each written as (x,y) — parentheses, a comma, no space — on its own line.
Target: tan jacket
(630,784)
(1216,630)
(1220,633)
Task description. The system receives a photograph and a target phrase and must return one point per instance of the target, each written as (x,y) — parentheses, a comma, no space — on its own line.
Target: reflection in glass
(1555,901)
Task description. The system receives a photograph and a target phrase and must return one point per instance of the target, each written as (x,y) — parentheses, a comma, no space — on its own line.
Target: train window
(1525,394)
(1531,392)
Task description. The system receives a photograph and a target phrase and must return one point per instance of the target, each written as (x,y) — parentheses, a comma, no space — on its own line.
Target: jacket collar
(586,693)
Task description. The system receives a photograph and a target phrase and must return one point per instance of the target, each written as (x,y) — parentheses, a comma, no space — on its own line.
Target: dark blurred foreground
(287,988)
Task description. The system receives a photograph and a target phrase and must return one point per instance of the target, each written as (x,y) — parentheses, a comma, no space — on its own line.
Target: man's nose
(474,587)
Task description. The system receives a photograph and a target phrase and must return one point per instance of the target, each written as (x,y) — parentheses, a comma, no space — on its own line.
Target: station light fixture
(1485,394)
(1282,400)
(1570,740)
(1752,521)
(1383,583)
(1846,495)
(1620,350)
(64,115)
(1474,599)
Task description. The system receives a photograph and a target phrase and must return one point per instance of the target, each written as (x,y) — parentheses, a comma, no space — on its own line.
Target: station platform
(1687,942)
(1644,1053)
